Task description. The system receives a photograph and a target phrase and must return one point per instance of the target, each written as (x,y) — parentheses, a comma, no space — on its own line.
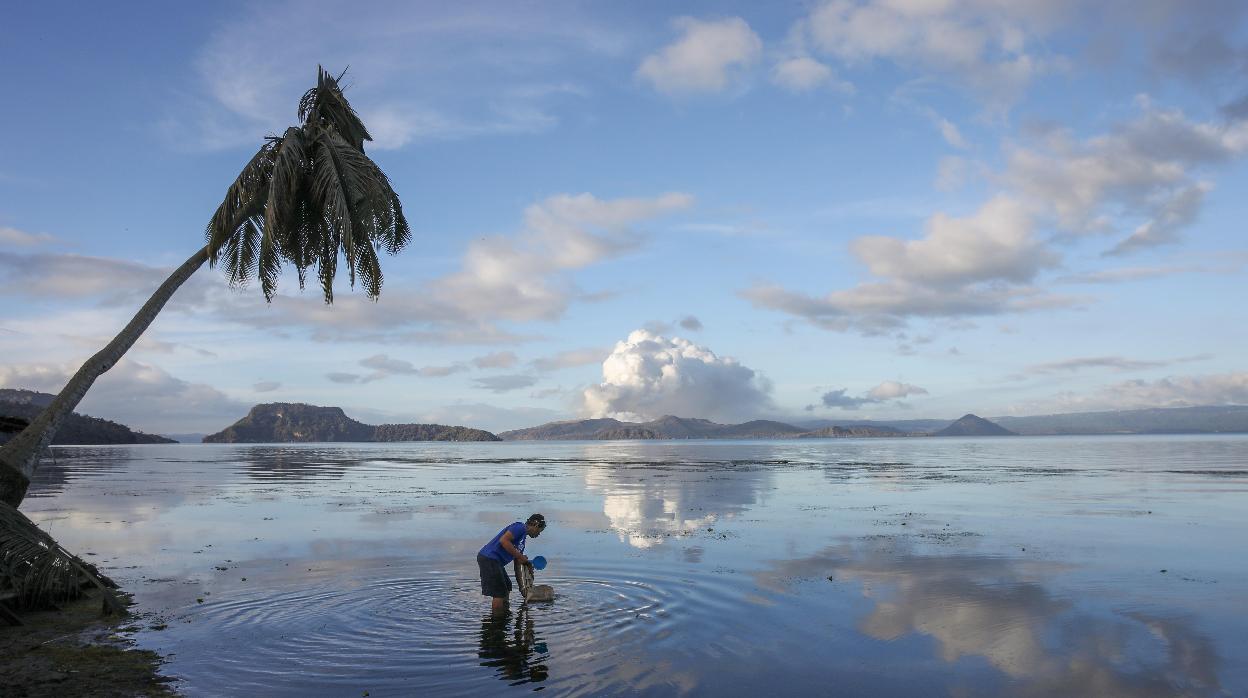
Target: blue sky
(817,210)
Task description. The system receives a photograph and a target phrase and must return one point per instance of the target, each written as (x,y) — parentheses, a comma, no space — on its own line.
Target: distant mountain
(908,426)
(624,434)
(570,430)
(286,422)
(760,429)
(280,422)
(22,406)
(26,397)
(186,438)
(430,432)
(1213,419)
(666,427)
(971,425)
(851,432)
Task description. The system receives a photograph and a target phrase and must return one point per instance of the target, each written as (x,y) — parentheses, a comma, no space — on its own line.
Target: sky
(826,210)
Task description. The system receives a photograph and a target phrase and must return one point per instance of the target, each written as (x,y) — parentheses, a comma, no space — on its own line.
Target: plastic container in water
(539,563)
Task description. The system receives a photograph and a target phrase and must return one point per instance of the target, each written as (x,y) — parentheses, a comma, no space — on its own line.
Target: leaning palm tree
(306,197)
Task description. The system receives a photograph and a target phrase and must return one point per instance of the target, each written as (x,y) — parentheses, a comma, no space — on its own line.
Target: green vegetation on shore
(77,429)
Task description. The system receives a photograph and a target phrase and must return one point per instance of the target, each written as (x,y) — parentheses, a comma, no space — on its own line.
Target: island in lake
(295,422)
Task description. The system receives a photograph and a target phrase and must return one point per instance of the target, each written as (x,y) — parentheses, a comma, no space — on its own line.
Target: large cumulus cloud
(649,375)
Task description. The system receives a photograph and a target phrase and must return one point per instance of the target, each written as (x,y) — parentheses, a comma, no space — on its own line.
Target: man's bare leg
(498,604)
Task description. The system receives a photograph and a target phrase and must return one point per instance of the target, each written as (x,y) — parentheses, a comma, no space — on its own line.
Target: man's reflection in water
(514,651)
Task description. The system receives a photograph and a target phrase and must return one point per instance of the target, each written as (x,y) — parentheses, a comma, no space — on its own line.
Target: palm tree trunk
(19,458)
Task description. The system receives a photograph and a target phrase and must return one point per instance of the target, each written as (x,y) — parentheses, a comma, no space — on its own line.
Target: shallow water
(1020,566)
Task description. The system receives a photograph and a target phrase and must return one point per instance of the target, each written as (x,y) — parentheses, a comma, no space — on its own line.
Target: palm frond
(326,106)
(239,253)
(334,188)
(37,568)
(393,232)
(369,270)
(250,187)
(289,170)
(308,196)
(327,263)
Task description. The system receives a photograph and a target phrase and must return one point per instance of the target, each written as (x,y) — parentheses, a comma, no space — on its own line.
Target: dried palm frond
(38,569)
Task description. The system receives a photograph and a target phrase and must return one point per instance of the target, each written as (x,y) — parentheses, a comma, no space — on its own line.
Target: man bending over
(507,546)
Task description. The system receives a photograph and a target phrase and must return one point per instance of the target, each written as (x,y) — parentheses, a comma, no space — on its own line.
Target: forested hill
(76,430)
(1210,419)
(285,422)
(974,425)
(669,427)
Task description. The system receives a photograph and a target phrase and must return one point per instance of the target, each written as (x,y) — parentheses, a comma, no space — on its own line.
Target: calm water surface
(1021,566)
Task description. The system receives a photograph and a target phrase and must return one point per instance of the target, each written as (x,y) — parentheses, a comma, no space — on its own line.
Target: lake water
(963,567)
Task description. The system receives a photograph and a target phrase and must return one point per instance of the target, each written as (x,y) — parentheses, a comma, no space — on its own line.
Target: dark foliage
(283,422)
(306,197)
(77,429)
(430,432)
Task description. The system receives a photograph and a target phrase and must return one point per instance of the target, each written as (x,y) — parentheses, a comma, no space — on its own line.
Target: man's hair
(537,520)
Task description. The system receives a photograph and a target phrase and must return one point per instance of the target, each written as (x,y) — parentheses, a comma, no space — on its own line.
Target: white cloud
(387,365)
(383,367)
(888,390)
(446,56)
(1175,213)
(571,358)
(141,396)
(981,264)
(893,390)
(266,386)
(521,278)
(704,58)
(997,243)
(500,359)
(949,131)
(504,384)
(1144,169)
(648,376)
(440,371)
(1174,391)
(804,74)
(21,238)
(988,263)
(1117,363)
(980,45)
(1226,262)
(64,276)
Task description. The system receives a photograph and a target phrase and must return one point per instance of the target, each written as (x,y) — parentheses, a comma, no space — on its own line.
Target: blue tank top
(494,550)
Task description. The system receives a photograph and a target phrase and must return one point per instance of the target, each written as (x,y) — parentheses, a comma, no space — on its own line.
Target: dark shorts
(494,579)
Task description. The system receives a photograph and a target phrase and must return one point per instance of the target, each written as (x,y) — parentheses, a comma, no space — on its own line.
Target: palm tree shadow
(510,645)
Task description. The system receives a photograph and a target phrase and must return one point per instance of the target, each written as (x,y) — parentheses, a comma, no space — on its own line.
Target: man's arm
(505,543)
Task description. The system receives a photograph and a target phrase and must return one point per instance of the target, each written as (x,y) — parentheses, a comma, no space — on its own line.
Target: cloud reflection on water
(648,504)
(1006,612)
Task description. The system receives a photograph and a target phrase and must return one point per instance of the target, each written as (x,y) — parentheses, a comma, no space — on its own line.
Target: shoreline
(78,651)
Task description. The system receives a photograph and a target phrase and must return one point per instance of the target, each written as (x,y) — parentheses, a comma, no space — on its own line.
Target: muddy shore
(77,651)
